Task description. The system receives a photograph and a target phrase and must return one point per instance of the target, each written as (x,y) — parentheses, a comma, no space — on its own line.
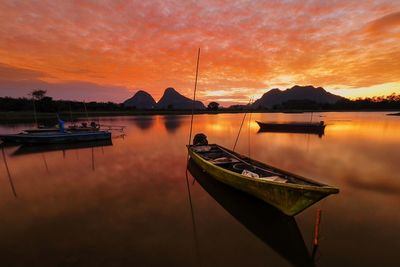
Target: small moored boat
(277,230)
(293,127)
(286,191)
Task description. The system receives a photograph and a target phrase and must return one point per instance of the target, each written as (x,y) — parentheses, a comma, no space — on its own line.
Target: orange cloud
(251,45)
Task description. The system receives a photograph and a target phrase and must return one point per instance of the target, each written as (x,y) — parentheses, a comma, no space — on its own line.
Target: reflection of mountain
(174,100)
(143,123)
(276,230)
(22,150)
(172,122)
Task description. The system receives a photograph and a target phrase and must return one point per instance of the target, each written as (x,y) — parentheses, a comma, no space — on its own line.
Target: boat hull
(277,230)
(56,138)
(291,199)
(315,128)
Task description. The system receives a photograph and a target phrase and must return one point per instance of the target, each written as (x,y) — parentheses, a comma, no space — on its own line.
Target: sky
(108,50)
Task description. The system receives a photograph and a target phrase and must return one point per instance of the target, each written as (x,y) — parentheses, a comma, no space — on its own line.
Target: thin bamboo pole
(240,129)
(34,112)
(194,96)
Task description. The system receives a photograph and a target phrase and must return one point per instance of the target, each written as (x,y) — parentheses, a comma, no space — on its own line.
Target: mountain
(276,96)
(174,100)
(141,100)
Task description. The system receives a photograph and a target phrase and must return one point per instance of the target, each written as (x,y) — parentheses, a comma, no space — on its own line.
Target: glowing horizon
(85,50)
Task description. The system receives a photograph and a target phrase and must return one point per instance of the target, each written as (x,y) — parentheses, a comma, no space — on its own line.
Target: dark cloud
(387,22)
(8,72)
(19,82)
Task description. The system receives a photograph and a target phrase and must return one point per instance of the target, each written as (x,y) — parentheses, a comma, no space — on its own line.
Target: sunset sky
(107,50)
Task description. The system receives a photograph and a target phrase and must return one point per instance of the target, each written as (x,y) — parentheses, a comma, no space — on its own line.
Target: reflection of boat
(286,191)
(293,127)
(56,137)
(275,229)
(22,150)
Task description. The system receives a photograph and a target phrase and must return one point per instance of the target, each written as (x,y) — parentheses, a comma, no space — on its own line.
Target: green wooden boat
(275,229)
(288,192)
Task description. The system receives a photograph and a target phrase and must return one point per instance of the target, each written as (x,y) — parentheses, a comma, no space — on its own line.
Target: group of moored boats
(288,192)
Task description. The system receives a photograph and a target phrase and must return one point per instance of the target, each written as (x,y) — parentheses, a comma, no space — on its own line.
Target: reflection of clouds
(382,186)
(137,196)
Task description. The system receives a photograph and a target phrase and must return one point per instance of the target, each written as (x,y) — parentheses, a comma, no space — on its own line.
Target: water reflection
(275,229)
(135,205)
(144,123)
(172,122)
(29,149)
(8,172)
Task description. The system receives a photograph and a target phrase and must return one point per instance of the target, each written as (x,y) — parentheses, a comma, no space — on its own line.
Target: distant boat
(293,127)
(56,137)
(277,230)
(288,192)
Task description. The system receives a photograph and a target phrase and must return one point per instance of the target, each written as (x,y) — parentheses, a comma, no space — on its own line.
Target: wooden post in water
(316,232)
(45,162)
(8,173)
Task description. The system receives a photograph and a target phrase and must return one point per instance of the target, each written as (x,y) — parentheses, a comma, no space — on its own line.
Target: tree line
(390,102)
(37,100)
(41,103)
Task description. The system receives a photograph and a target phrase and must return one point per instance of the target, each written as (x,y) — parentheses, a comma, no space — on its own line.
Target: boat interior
(231,161)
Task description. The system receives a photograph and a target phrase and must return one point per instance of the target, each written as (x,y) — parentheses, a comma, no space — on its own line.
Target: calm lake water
(127,203)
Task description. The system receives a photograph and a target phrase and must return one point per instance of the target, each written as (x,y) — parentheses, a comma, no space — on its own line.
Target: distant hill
(174,100)
(311,93)
(141,100)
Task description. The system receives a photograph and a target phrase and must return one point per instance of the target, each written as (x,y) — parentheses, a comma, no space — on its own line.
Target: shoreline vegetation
(173,103)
